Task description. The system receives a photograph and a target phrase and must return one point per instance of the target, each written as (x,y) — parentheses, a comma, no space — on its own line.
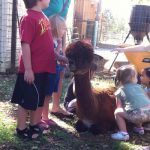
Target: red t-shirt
(35,30)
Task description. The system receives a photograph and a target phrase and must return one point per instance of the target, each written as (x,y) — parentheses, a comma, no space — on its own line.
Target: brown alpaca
(95,107)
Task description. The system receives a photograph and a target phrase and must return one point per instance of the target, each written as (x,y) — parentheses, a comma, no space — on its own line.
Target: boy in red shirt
(37,63)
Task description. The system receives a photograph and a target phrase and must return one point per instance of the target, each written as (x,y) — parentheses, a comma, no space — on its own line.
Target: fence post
(14,36)
(96,24)
(94,40)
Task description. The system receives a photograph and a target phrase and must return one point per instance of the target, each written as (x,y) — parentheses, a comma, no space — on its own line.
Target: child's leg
(56,105)
(56,102)
(56,97)
(120,116)
(35,116)
(71,107)
(46,108)
(60,83)
(35,131)
(22,116)
(120,119)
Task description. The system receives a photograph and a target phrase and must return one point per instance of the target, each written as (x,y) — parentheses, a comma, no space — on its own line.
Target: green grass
(63,137)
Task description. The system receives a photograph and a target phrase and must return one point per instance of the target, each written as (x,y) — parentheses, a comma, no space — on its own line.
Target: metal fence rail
(6,33)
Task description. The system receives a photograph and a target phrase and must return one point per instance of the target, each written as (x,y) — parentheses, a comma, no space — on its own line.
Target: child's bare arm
(118,103)
(148,94)
(59,57)
(26,54)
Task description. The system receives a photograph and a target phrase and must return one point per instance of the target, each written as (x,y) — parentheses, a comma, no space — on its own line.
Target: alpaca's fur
(95,106)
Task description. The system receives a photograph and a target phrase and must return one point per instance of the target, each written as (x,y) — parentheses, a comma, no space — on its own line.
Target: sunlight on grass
(63,125)
(124,146)
(102,84)
(63,137)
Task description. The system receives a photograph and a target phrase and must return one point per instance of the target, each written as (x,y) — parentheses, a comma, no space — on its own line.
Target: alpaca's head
(80,55)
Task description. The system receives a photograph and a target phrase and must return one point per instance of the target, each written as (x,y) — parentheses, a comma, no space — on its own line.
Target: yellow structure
(136,58)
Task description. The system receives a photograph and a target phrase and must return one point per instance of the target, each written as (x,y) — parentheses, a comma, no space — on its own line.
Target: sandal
(34,132)
(44,127)
(23,134)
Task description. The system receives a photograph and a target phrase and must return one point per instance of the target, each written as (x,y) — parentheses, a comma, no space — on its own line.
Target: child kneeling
(133,104)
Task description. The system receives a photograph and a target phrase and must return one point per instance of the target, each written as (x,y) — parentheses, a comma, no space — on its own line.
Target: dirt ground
(62,137)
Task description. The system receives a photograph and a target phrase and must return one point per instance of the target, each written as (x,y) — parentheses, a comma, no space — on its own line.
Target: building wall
(6,28)
(5,32)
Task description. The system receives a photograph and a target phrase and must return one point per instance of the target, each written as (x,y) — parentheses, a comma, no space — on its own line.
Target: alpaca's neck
(85,100)
(82,85)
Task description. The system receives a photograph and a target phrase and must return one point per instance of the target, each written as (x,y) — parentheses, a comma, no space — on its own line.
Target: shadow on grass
(63,137)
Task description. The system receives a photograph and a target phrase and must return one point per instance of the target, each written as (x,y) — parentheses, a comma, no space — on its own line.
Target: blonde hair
(57,23)
(125,74)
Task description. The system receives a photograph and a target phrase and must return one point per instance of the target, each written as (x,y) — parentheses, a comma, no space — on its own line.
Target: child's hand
(63,60)
(29,76)
(59,42)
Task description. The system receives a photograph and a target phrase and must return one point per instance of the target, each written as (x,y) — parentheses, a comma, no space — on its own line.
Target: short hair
(125,74)
(30,3)
(57,23)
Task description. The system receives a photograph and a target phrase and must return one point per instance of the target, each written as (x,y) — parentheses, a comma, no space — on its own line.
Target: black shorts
(31,96)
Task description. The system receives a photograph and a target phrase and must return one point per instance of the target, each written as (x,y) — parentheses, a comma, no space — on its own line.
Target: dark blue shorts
(53,82)
(61,68)
(30,96)
(52,85)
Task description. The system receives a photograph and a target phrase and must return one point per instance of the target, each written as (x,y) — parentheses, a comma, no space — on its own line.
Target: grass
(63,137)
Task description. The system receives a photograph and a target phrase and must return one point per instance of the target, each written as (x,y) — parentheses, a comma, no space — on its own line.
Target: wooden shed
(85,14)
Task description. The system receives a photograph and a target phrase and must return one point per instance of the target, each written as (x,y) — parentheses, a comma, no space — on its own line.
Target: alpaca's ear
(98,57)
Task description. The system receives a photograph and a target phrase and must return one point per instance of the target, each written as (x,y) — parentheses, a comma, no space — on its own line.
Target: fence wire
(6,31)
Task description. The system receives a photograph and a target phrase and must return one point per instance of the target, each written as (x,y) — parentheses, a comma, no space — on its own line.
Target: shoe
(44,127)
(23,134)
(139,131)
(34,132)
(146,126)
(121,136)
